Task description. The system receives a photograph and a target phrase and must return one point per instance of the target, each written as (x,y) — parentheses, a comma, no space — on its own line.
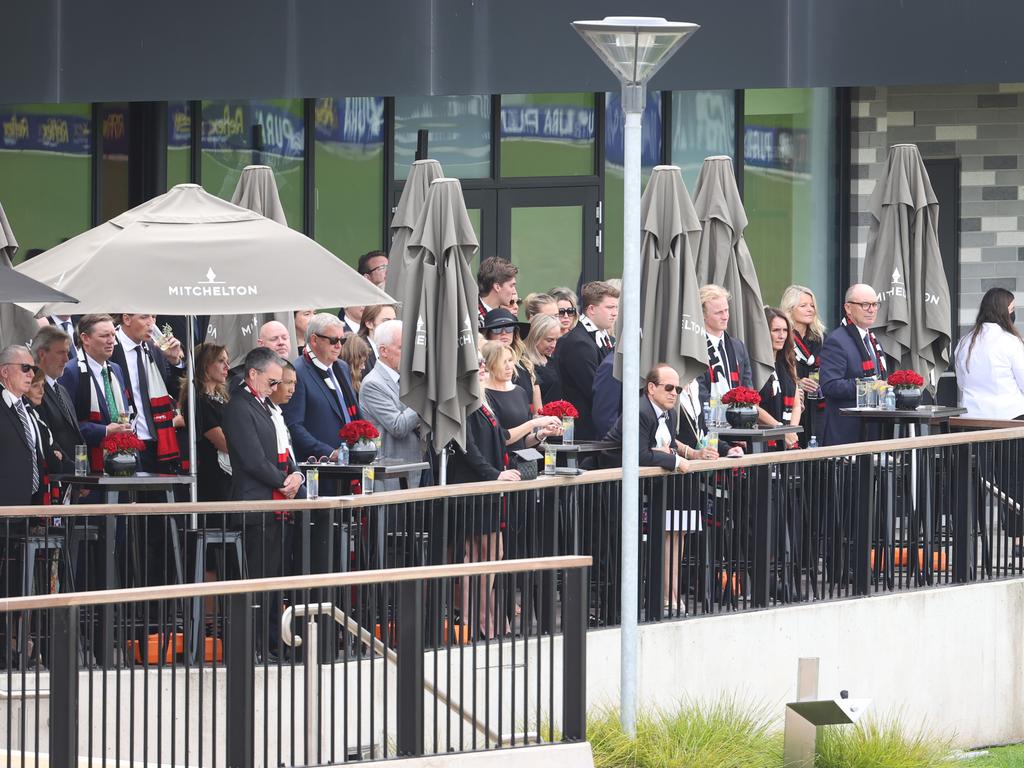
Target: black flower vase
(742,416)
(121,464)
(908,398)
(363,452)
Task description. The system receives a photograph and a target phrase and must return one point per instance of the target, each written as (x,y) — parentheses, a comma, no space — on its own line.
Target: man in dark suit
(849,353)
(97,386)
(152,376)
(261,471)
(583,348)
(20,460)
(50,349)
(728,360)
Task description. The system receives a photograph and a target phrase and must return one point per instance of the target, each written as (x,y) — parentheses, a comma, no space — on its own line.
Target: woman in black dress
(541,341)
(800,306)
(780,403)
(501,326)
(213,478)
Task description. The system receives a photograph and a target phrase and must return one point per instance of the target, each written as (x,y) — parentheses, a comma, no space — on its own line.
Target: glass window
(179,143)
(703,125)
(228,147)
(650,156)
(114,124)
(349,152)
(547,134)
(458,133)
(546,243)
(789,190)
(46,172)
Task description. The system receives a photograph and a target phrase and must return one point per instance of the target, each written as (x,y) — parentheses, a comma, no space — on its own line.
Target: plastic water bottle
(890,399)
(343,453)
(707,415)
(813,442)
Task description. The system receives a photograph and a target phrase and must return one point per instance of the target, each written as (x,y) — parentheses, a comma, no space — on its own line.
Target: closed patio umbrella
(723,258)
(257,191)
(439,369)
(414,195)
(671,328)
(17,326)
(904,265)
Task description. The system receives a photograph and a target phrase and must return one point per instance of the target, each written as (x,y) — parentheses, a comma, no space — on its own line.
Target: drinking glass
(81,460)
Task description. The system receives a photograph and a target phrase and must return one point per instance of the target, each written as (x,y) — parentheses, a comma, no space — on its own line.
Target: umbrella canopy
(904,266)
(414,195)
(17,326)
(15,287)
(189,253)
(671,328)
(257,191)
(439,369)
(724,259)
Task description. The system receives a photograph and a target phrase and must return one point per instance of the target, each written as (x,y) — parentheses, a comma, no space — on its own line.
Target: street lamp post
(634,48)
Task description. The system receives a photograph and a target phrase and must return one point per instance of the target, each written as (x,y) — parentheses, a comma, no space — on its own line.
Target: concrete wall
(983,125)
(951,658)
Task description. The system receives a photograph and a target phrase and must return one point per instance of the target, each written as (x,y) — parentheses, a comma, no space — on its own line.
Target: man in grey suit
(379,403)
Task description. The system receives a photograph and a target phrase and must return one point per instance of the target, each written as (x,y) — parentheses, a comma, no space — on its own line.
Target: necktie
(30,439)
(340,395)
(108,393)
(62,404)
(662,437)
(143,373)
(725,361)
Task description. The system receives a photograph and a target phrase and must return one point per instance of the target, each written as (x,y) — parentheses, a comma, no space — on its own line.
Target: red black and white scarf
(162,407)
(868,367)
(725,374)
(87,403)
(283,459)
(803,352)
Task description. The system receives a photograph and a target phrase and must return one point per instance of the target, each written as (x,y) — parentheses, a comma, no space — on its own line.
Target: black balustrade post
(409,718)
(863,524)
(239,655)
(64,689)
(964,509)
(762,508)
(574,654)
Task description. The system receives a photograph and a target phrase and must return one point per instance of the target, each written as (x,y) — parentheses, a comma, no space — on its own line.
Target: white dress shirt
(992,382)
(131,361)
(663,438)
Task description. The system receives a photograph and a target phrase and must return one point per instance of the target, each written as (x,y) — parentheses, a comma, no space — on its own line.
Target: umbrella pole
(193,459)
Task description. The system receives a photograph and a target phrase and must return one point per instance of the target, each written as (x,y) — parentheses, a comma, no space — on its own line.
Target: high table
(758,437)
(927,417)
(111,488)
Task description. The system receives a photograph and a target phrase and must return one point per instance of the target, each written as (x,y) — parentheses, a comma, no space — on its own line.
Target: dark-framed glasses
(867,306)
(320,460)
(273,382)
(567,311)
(670,388)
(332,340)
(26,367)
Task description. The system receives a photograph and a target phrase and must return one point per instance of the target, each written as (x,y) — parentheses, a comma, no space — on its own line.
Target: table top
(382,468)
(924,413)
(145,480)
(580,446)
(757,434)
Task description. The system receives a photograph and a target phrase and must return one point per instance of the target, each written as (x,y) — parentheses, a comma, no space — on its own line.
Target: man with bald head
(274,335)
(849,353)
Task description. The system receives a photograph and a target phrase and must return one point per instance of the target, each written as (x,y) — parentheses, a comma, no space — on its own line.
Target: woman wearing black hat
(500,325)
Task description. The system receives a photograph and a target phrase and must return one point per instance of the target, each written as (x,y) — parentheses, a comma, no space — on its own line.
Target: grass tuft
(872,744)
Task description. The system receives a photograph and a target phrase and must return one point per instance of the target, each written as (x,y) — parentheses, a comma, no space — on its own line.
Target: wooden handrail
(311,581)
(428,493)
(964,422)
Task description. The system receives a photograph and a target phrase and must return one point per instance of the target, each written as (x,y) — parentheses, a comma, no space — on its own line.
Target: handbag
(525,461)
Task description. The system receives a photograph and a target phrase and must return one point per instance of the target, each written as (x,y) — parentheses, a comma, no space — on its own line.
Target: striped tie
(30,439)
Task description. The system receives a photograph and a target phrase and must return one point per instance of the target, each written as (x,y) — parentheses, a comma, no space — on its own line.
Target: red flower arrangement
(560,408)
(905,380)
(122,442)
(737,397)
(358,430)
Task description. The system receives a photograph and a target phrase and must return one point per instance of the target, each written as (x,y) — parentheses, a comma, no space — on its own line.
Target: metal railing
(385,682)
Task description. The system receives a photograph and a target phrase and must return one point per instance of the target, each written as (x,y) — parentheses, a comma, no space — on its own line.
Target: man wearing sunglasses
(849,353)
(20,460)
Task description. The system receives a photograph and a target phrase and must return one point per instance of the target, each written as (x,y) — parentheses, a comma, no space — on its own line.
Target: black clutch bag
(525,460)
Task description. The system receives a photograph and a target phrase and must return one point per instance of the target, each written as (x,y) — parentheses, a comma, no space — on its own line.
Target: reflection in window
(703,125)
(228,146)
(46,172)
(179,143)
(650,156)
(789,190)
(114,125)
(349,165)
(459,133)
(547,134)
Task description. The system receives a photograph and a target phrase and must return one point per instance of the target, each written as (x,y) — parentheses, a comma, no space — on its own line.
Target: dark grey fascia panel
(99,50)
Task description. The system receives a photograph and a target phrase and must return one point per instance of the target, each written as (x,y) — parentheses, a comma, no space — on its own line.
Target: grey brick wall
(983,125)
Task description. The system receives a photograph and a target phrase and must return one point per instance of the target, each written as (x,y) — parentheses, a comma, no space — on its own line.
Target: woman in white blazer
(990,361)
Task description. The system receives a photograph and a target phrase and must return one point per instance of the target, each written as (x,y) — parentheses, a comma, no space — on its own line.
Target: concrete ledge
(554,756)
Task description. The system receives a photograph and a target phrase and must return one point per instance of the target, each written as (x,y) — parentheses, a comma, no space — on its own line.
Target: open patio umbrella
(188,252)
(439,366)
(414,195)
(723,258)
(904,266)
(257,191)
(671,329)
(17,326)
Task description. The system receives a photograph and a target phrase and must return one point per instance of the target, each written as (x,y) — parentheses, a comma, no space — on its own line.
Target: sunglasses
(321,460)
(514,303)
(670,388)
(567,312)
(504,329)
(377,269)
(26,367)
(332,340)
(273,382)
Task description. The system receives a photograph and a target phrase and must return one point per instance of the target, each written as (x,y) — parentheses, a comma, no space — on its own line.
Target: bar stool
(209,537)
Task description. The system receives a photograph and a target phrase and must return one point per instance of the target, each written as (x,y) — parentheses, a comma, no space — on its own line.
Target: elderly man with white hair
(378,399)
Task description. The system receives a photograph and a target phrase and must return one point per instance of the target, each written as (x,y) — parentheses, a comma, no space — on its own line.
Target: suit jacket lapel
(320,384)
(16,424)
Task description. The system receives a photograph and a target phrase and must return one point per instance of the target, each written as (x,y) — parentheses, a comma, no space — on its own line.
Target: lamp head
(634,47)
